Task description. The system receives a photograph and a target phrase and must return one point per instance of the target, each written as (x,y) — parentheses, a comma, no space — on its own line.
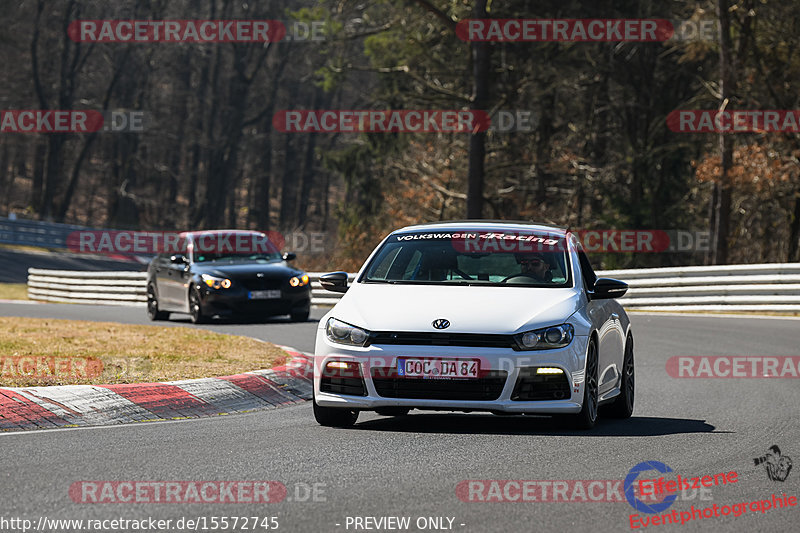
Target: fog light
(549,370)
(339,364)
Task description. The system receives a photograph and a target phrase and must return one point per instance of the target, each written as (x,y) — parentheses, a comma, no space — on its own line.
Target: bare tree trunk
(794,231)
(38,176)
(307,180)
(727,82)
(289,184)
(477,140)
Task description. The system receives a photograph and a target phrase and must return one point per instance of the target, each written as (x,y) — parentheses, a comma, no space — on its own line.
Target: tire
(152,305)
(392,411)
(587,418)
(622,406)
(196,308)
(299,316)
(335,417)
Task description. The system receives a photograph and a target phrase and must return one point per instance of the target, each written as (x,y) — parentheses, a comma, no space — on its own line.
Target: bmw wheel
(152,305)
(622,407)
(588,415)
(196,308)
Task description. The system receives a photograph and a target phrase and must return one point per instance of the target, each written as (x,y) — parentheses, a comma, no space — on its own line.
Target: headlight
(299,281)
(343,333)
(215,282)
(545,338)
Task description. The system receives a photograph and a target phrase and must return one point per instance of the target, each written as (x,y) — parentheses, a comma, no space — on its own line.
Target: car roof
(193,234)
(485,225)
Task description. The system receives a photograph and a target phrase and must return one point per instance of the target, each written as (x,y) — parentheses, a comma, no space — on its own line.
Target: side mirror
(334,282)
(179,259)
(605,288)
(289,256)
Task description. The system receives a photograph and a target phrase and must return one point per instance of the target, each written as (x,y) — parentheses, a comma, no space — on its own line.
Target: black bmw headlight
(299,281)
(216,282)
(545,338)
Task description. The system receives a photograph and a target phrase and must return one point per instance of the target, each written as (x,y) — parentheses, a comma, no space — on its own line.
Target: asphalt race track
(410,467)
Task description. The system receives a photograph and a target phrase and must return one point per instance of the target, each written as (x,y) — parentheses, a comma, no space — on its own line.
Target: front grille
(531,386)
(486,388)
(254,283)
(442,339)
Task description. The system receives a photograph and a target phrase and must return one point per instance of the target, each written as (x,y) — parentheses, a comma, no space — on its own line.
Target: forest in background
(600,155)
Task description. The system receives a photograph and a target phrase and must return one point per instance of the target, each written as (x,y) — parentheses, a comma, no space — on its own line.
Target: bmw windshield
(472,258)
(234,247)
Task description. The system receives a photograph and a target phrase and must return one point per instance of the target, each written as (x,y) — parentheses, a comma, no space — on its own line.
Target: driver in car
(534,266)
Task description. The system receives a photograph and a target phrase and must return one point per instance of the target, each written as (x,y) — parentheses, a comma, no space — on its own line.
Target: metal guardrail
(767,287)
(107,288)
(763,287)
(120,288)
(35,233)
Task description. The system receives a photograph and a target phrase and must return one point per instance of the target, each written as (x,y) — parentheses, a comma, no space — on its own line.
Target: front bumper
(236,301)
(503,369)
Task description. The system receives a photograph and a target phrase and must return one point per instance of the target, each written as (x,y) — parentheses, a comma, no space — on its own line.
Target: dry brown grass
(13,291)
(37,351)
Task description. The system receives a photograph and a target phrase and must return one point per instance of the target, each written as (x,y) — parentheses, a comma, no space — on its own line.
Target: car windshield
(234,247)
(246,257)
(472,258)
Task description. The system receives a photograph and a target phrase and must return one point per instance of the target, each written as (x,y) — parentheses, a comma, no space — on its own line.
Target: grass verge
(13,291)
(36,351)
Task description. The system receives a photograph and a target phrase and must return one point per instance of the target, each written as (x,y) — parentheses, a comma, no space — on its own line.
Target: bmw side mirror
(289,256)
(334,282)
(605,288)
(179,259)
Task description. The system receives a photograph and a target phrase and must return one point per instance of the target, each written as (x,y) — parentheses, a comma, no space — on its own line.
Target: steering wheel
(520,275)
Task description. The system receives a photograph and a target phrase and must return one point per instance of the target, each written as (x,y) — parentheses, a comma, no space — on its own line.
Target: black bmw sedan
(226,273)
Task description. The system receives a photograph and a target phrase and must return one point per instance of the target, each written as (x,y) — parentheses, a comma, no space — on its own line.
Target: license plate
(437,368)
(264,295)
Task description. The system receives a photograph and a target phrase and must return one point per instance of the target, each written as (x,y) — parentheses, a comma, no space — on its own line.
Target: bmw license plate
(264,295)
(437,368)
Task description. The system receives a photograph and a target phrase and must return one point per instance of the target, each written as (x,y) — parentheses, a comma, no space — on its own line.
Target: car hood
(470,309)
(234,270)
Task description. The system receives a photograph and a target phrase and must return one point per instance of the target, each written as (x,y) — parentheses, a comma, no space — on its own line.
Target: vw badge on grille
(441,323)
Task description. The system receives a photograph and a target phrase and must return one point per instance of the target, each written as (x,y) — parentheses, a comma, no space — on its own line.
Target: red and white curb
(101,405)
